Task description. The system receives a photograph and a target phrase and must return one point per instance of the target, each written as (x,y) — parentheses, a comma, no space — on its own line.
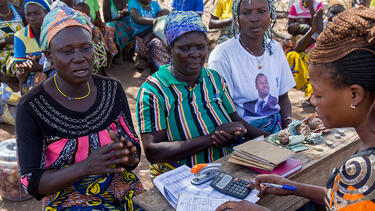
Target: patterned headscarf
(267,33)
(60,18)
(181,22)
(43,3)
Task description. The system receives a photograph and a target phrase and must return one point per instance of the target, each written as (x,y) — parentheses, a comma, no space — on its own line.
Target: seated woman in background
(298,59)
(107,31)
(11,21)
(185,114)
(342,73)
(117,18)
(27,51)
(75,138)
(149,49)
(255,67)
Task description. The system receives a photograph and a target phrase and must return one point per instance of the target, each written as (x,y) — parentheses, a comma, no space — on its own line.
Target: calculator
(230,185)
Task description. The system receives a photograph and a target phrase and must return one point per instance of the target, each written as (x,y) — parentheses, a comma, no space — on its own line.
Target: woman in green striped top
(185,113)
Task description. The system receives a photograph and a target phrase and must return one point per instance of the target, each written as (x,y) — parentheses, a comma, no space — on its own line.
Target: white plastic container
(10,186)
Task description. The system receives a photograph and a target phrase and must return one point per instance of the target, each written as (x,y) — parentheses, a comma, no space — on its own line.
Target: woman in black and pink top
(75,137)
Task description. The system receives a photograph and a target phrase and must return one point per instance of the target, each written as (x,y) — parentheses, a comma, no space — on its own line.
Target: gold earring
(353,106)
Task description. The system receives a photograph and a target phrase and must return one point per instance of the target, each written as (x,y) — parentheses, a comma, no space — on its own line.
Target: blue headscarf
(181,22)
(43,3)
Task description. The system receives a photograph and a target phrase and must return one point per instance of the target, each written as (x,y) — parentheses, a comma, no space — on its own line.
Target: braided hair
(267,33)
(347,45)
(358,67)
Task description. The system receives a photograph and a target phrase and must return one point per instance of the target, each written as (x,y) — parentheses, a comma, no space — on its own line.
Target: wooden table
(315,170)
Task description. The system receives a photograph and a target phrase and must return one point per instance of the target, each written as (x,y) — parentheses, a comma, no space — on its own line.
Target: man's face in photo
(262,86)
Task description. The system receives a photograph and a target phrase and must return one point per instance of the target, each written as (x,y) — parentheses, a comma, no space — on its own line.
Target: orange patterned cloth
(352,186)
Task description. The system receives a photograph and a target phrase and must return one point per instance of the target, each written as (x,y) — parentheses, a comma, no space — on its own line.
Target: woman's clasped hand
(112,158)
(227,133)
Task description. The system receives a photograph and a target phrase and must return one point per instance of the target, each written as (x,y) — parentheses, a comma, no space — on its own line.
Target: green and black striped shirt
(164,103)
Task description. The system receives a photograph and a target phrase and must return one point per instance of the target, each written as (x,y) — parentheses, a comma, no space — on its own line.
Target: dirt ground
(131,81)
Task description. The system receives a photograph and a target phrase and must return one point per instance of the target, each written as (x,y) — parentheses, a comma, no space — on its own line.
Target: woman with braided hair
(342,73)
(255,67)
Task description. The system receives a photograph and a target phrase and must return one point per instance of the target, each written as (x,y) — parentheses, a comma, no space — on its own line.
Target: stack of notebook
(285,169)
(260,155)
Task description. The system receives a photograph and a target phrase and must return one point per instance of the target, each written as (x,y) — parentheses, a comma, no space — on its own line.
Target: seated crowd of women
(76,142)
(127,26)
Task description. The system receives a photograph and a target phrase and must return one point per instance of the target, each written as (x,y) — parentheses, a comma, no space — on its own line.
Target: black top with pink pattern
(50,136)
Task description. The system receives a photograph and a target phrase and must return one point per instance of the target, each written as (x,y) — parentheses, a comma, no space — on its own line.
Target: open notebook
(176,182)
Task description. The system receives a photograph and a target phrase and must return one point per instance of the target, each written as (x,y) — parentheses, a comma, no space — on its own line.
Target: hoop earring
(353,106)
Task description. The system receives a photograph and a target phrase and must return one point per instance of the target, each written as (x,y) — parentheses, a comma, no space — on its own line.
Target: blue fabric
(188,5)
(155,8)
(19,50)
(43,3)
(25,44)
(181,22)
(271,124)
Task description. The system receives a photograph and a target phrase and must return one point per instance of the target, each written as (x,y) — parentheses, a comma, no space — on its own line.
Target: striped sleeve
(226,98)
(222,88)
(150,112)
